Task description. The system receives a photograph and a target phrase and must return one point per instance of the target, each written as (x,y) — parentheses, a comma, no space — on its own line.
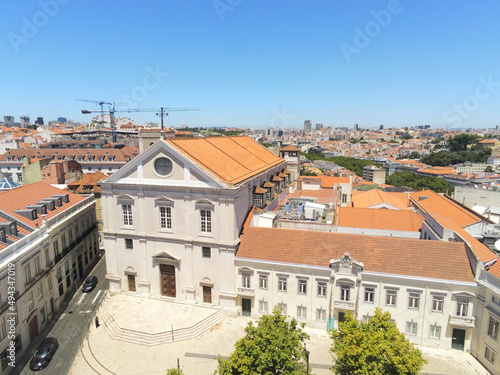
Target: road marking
(97,296)
(80,301)
(85,312)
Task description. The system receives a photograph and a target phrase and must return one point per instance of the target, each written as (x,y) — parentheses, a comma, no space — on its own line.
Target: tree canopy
(460,142)
(272,345)
(373,348)
(408,179)
(352,164)
(444,159)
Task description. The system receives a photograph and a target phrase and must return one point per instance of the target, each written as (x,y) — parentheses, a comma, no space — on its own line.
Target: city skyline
(255,64)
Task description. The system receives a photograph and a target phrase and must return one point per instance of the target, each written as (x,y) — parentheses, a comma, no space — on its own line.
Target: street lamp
(307,357)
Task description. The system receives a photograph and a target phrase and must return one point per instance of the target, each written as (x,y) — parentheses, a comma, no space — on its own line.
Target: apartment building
(48,243)
(106,160)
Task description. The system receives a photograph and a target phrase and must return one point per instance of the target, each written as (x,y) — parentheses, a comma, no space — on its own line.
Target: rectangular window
(31,301)
(206,252)
(414,301)
(435,332)
(245,280)
(49,283)
(43,315)
(56,247)
(27,273)
(40,291)
(37,265)
(129,244)
(257,200)
(437,303)
(63,241)
(165,218)
(263,306)
(301,312)
(345,293)
(322,288)
(282,307)
(3,333)
(282,284)
(462,307)
(321,315)
(70,234)
(263,282)
(206,221)
(302,287)
(411,328)
(390,297)
(127,214)
(489,354)
(344,198)
(493,328)
(369,295)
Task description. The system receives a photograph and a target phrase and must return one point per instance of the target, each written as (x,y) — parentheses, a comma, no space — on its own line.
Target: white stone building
(173,215)
(427,286)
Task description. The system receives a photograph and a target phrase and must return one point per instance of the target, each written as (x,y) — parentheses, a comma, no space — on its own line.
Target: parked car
(89,284)
(44,353)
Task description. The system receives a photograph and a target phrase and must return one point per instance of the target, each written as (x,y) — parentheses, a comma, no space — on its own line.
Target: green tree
(272,345)
(460,142)
(174,371)
(373,348)
(489,169)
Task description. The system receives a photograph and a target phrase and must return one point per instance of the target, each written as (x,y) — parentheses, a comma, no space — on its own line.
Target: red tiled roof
(388,255)
(376,197)
(404,220)
(28,194)
(442,206)
(232,159)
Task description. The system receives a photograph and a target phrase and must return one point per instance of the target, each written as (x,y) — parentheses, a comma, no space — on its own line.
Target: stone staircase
(151,339)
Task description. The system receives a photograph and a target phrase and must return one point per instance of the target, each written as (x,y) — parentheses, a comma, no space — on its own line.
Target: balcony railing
(462,321)
(348,305)
(246,292)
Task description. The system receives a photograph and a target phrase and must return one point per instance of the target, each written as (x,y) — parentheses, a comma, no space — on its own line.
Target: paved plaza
(103,354)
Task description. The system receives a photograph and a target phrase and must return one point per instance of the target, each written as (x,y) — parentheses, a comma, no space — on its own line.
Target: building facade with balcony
(317,278)
(48,243)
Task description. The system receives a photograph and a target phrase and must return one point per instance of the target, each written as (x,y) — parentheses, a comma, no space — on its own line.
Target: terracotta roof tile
(442,206)
(29,194)
(388,255)
(232,159)
(376,197)
(404,220)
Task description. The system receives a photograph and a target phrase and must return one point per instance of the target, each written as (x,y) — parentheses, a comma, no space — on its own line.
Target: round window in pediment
(163,166)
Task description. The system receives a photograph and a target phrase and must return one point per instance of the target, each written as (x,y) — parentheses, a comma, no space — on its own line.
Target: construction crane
(111,120)
(98,102)
(162,111)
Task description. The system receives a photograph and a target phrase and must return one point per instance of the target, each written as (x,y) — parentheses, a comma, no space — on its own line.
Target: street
(73,325)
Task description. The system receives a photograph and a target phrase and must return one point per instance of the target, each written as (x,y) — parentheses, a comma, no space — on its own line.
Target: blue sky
(255,63)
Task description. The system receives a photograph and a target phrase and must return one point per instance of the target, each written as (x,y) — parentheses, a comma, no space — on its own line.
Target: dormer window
(9,158)
(52,206)
(19,158)
(33,214)
(80,158)
(2,235)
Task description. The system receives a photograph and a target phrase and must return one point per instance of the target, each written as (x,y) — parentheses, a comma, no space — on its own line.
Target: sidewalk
(101,354)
